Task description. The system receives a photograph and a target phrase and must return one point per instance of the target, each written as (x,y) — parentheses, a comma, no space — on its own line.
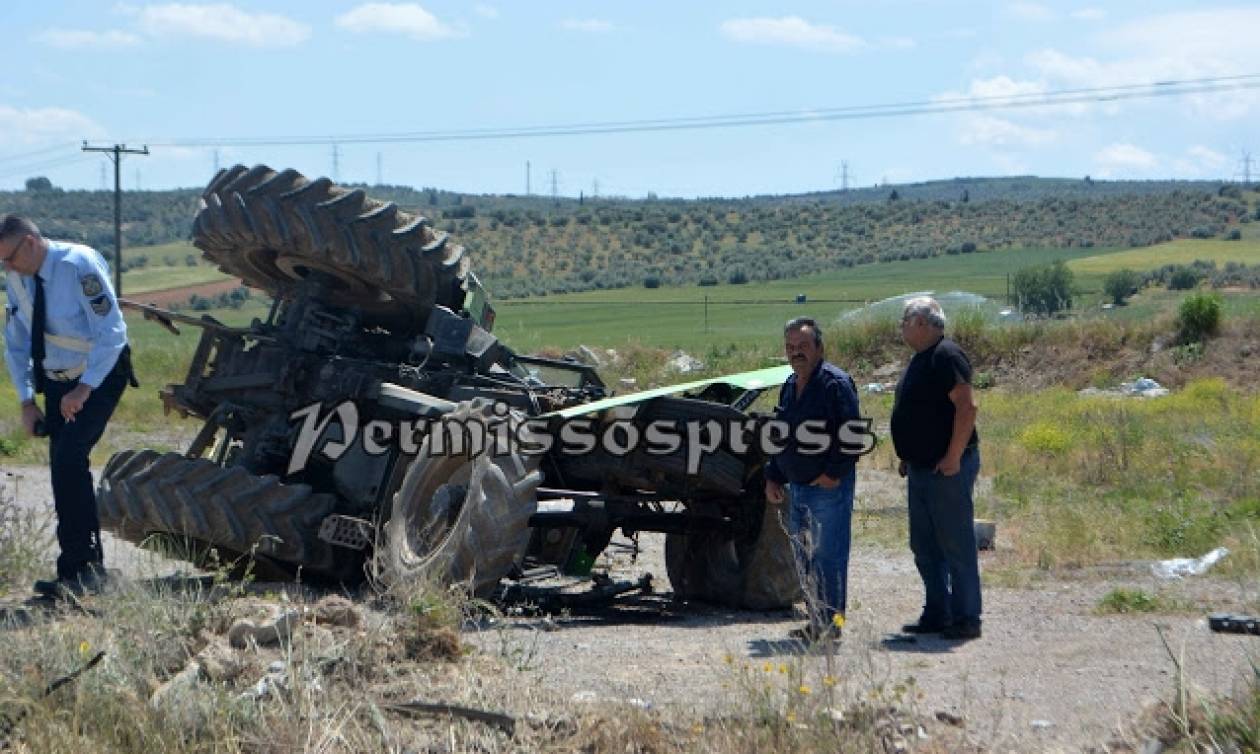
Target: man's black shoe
(923,627)
(89,581)
(962,631)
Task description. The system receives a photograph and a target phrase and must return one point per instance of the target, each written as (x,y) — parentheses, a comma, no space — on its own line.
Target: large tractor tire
(755,571)
(143,493)
(461,518)
(274,229)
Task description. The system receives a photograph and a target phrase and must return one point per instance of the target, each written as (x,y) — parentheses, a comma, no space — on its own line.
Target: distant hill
(533,245)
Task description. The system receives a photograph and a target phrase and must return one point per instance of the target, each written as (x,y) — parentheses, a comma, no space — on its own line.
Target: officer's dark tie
(37,335)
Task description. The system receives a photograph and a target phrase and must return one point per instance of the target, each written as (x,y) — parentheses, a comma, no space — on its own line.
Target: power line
(1171,88)
(43,166)
(36,152)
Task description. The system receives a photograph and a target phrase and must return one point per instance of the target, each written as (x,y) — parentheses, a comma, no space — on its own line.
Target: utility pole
(115,153)
(216,162)
(527,178)
(336,164)
(379,182)
(555,187)
(595,189)
(1246,167)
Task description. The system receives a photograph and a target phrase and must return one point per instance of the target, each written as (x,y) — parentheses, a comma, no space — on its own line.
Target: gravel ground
(1050,674)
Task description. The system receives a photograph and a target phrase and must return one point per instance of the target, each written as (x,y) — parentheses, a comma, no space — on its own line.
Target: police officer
(64,337)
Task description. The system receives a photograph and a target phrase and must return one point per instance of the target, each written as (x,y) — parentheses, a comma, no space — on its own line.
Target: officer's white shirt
(80,303)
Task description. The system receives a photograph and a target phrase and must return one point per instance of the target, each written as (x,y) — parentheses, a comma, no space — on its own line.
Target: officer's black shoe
(964,631)
(924,627)
(91,580)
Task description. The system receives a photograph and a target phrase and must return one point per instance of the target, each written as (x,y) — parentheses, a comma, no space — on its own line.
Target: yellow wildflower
(804,689)
(84,648)
(829,681)
(767,666)
(838,620)
(790,717)
(783,668)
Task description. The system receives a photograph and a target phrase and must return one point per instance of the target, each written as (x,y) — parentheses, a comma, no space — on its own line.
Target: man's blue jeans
(820,525)
(943,540)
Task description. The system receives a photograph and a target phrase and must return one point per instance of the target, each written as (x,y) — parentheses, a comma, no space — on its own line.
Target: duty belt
(66,375)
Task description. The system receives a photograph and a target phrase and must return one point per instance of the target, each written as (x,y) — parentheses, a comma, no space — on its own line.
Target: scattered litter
(949,718)
(1041,724)
(880,387)
(684,363)
(1176,568)
(265,634)
(1143,387)
(628,383)
(1232,623)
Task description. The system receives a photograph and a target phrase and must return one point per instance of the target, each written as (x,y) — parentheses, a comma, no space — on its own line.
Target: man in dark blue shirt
(816,400)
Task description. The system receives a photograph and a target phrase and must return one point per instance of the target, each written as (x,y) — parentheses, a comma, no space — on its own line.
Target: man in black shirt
(819,475)
(934,432)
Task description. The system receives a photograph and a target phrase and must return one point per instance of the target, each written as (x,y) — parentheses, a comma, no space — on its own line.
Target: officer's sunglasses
(16,248)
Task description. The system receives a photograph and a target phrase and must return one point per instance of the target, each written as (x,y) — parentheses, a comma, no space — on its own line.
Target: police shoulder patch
(101,305)
(92,286)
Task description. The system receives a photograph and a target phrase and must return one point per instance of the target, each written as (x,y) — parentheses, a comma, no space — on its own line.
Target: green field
(158,275)
(742,314)
(1181,251)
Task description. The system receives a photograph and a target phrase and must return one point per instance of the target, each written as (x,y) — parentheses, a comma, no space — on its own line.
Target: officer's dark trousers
(78,528)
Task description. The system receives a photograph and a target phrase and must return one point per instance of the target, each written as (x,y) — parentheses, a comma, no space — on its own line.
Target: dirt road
(1050,673)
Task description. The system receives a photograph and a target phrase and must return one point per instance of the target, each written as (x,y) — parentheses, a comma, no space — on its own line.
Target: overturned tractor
(372,425)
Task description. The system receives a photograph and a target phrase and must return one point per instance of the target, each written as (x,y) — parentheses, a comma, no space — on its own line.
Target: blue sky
(164,72)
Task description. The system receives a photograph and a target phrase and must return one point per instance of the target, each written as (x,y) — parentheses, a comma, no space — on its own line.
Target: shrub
(1123,600)
(1045,437)
(652,281)
(1183,279)
(1045,290)
(1121,284)
(1234,235)
(708,280)
(1199,316)
(738,277)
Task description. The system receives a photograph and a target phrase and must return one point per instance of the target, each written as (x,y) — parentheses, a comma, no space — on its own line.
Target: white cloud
(1088,14)
(45,125)
(79,39)
(222,22)
(409,19)
(486,11)
(1206,156)
(989,130)
(589,25)
(792,31)
(1119,159)
(1030,11)
(1200,161)
(1171,46)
